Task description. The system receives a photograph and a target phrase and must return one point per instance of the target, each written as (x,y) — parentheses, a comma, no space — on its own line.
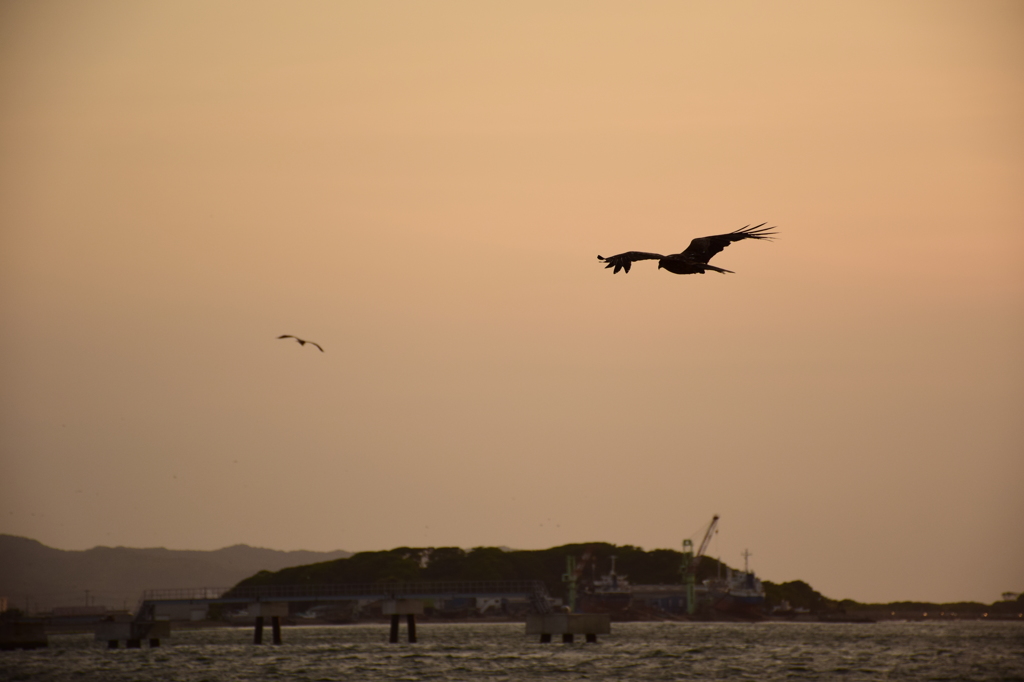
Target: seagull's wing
(624,261)
(702,249)
(313,343)
(288,336)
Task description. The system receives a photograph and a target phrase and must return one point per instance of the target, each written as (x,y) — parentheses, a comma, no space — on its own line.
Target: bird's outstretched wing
(302,342)
(624,261)
(702,249)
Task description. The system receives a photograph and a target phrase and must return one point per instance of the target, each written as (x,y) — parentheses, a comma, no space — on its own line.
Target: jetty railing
(353,590)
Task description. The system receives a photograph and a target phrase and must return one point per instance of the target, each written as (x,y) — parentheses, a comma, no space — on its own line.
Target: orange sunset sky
(422,188)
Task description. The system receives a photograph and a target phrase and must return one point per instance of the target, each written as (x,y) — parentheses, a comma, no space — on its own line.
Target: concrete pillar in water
(275,624)
(568,625)
(396,608)
(272,610)
(132,632)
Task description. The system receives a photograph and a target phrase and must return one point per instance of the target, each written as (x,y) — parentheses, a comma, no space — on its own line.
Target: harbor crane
(573,571)
(690,563)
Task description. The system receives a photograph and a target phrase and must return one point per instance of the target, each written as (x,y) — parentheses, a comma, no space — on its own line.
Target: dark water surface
(500,651)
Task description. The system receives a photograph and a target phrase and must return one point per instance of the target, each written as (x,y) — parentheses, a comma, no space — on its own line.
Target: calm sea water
(501,651)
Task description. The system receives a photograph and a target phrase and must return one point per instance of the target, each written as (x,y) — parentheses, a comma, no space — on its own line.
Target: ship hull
(738,606)
(606,602)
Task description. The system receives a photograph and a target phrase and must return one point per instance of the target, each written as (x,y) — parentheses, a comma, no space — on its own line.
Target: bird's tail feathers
(717,269)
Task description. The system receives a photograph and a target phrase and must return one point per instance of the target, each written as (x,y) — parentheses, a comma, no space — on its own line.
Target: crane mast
(690,563)
(573,571)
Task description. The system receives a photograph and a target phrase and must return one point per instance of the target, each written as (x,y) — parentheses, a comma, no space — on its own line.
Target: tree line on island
(655,567)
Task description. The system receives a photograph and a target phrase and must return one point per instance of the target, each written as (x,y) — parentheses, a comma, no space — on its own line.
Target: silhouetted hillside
(116,576)
(659,566)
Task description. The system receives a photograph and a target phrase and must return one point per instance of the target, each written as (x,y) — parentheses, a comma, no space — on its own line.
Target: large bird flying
(696,256)
(302,342)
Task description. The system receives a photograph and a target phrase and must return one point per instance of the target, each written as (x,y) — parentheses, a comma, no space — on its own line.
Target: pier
(274,602)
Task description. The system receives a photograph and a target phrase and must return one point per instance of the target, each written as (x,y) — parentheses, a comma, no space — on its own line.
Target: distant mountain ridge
(41,577)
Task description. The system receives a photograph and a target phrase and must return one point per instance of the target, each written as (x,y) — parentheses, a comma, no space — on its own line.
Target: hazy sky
(422,188)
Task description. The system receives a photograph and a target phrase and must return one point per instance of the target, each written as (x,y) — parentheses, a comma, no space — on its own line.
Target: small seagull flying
(302,342)
(696,256)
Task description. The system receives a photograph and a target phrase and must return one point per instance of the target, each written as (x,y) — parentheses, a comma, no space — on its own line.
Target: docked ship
(739,593)
(611,593)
